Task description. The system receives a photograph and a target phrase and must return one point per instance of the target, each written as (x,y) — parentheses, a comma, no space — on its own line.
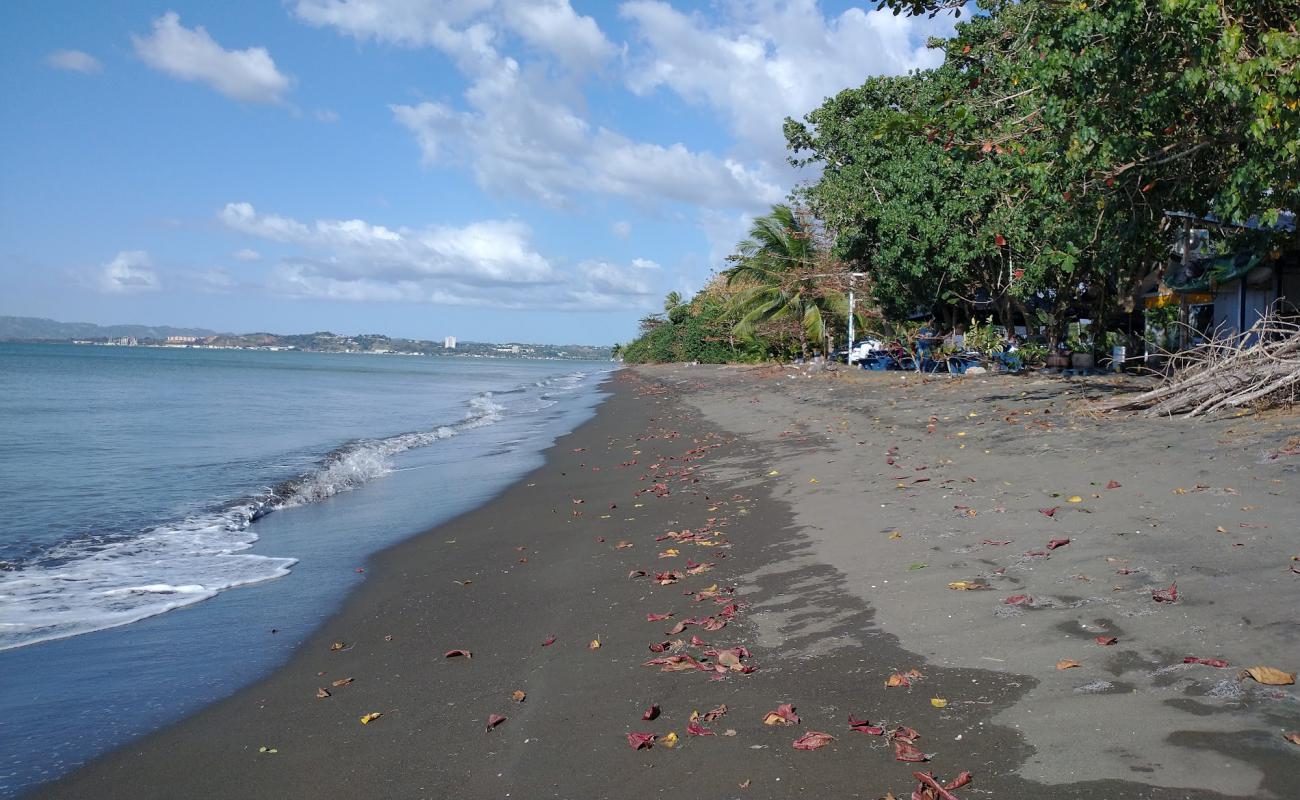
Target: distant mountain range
(35,329)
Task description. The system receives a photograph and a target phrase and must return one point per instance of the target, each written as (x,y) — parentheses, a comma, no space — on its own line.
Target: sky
(496,170)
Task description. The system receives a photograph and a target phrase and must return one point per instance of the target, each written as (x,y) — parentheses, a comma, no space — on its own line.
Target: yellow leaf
(371,717)
(774,472)
(1067,663)
(1075,499)
(813,480)
(1220,529)
(595,645)
(1269,676)
(669,739)
(669,553)
(1180,490)
(938,702)
(896,535)
(518,696)
(961,433)
(966,586)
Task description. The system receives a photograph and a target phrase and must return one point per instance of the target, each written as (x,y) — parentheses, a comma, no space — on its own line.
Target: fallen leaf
(623,544)
(494,720)
(1106,641)
(967,586)
(783,715)
(1209,662)
(518,696)
(813,740)
(265,749)
(342,682)
(455,653)
(657,617)
(594,645)
(904,751)
(1055,543)
(997,542)
(669,739)
(713,714)
(745,784)
(1067,663)
(1169,595)
(1047,512)
(549,641)
(696,729)
(1180,490)
(1113,485)
(651,713)
(917,566)
(864,726)
(895,535)
(1269,676)
(938,702)
(322,693)
(371,717)
(1292,736)
(1019,600)
(337,646)
(641,741)
(1075,499)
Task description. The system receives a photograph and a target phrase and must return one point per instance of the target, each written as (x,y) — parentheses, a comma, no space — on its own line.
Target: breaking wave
(94,583)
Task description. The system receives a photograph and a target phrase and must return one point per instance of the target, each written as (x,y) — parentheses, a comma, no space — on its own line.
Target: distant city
(32,329)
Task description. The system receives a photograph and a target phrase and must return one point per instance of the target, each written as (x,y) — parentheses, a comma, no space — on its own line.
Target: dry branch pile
(1257,369)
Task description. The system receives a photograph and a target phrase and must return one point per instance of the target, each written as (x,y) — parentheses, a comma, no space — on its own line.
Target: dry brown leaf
(1067,663)
(342,682)
(518,696)
(1269,676)
(322,693)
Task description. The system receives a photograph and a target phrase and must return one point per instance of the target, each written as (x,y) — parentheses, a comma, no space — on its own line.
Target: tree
(782,275)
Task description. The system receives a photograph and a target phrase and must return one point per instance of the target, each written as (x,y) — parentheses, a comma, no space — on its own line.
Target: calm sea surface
(161,510)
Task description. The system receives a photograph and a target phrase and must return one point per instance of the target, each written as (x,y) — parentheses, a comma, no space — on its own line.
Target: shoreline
(815,639)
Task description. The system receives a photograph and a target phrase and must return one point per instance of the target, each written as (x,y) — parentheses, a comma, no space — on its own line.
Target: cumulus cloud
(487,263)
(74,61)
(248,75)
(770,60)
(129,272)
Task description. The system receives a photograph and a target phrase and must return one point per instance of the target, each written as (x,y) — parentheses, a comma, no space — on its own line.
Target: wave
(102,582)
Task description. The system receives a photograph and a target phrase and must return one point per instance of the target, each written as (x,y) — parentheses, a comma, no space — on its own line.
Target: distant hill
(37,328)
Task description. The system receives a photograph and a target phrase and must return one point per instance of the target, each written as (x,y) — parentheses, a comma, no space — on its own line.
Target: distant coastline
(34,330)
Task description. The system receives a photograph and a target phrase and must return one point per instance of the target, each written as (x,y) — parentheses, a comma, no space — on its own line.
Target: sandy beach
(812,528)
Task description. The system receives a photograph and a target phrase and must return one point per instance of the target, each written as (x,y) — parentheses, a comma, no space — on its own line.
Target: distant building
(182,339)
(449,343)
(125,341)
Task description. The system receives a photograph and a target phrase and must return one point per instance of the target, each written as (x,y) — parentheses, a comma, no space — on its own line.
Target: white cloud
(412,23)
(326,115)
(192,55)
(622,229)
(74,61)
(553,26)
(247,254)
(771,60)
(129,272)
(488,263)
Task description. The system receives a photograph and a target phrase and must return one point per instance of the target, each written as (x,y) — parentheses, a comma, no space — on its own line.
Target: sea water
(162,510)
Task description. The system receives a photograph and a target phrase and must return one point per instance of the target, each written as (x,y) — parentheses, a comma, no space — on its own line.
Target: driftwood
(1257,369)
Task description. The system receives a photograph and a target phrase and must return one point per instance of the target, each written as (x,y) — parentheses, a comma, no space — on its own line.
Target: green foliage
(984,339)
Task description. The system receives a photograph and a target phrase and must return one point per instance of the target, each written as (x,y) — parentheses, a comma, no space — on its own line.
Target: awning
(1206,274)
(1172,299)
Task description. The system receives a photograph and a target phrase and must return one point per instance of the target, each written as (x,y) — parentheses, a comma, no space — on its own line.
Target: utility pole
(849,358)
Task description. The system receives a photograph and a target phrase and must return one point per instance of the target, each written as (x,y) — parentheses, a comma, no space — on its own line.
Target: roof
(1206,273)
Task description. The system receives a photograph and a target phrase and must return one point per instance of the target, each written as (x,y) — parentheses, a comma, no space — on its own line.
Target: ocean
(162,511)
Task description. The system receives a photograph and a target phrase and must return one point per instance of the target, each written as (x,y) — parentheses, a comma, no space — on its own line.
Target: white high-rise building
(449,343)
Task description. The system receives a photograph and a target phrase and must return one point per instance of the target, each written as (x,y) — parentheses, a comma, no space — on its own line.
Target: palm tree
(777,267)
(672,300)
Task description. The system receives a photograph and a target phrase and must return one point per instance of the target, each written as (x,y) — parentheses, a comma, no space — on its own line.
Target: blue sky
(540,170)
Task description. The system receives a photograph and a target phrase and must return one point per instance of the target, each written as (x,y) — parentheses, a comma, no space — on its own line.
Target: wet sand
(785,485)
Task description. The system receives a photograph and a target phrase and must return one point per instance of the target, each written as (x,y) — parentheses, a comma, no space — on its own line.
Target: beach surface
(813,528)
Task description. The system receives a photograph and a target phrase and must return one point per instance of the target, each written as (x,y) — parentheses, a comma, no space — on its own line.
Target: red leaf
(865,726)
(1055,543)
(1169,595)
(659,647)
(657,617)
(1047,512)
(494,720)
(904,734)
(1019,600)
(455,653)
(997,542)
(783,715)
(1000,240)
(696,729)
(641,741)
(907,752)
(1113,485)
(930,789)
(959,781)
(813,740)
(1209,662)
(651,713)
(1106,641)
(550,640)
